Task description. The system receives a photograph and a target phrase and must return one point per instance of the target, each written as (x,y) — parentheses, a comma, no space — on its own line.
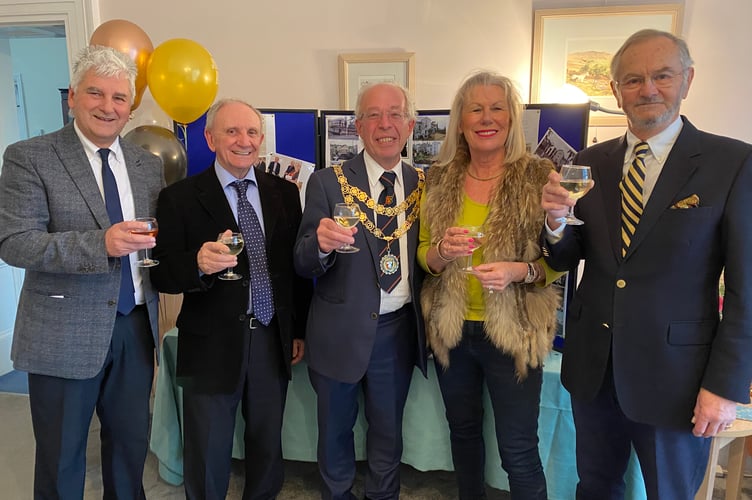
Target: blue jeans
(515,405)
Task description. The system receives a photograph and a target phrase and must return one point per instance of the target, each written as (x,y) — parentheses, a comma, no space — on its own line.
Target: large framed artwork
(575,46)
(357,70)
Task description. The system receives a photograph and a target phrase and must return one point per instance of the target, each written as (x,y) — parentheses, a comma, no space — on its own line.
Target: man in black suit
(648,360)
(274,166)
(237,339)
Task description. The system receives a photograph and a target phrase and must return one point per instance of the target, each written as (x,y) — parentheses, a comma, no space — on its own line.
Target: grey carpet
(301,481)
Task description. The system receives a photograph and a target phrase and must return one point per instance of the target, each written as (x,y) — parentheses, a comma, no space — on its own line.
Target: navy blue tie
(127,299)
(389,251)
(262,297)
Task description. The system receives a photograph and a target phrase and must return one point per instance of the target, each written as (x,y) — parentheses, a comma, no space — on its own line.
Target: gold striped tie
(631,195)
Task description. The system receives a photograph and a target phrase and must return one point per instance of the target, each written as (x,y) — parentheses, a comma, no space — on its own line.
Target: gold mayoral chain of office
(350,193)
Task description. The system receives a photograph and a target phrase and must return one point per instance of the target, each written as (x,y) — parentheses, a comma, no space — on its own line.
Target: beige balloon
(128,38)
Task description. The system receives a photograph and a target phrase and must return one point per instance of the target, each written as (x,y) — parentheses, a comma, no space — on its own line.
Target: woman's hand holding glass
(460,242)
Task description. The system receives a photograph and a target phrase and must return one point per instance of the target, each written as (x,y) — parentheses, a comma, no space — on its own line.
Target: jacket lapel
(212,198)
(679,167)
(271,204)
(74,160)
(608,178)
(139,188)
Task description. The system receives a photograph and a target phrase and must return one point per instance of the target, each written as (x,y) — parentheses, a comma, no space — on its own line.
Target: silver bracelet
(532,275)
(438,251)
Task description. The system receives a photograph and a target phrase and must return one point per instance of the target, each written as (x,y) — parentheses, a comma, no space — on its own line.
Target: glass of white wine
(576,179)
(234,243)
(151,229)
(479,237)
(346,215)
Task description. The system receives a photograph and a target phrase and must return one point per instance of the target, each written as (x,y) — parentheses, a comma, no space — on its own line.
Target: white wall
(283,53)
(718,33)
(43,66)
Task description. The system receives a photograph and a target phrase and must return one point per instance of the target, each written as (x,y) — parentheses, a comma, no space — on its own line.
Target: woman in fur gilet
(494,323)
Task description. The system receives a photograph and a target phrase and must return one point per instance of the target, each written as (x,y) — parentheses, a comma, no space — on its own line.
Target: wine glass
(479,237)
(151,230)
(234,242)
(577,180)
(346,215)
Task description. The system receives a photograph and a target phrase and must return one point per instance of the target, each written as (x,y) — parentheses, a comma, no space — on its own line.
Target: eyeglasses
(662,80)
(392,116)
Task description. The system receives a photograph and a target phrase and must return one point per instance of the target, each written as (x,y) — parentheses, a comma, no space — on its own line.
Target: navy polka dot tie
(262,297)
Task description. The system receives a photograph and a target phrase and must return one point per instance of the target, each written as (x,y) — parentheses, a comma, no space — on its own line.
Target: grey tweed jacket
(52,224)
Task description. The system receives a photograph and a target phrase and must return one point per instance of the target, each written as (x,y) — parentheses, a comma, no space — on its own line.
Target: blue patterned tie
(631,195)
(127,299)
(262,297)
(391,278)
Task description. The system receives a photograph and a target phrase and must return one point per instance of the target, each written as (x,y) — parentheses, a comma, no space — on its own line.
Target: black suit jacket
(212,317)
(656,309)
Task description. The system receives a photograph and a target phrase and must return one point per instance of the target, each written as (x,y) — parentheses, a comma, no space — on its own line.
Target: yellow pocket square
(688,202)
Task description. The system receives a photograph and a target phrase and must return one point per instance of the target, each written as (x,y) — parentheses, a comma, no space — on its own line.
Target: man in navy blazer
(359,335)
(647,358)
(227,354)
(86,326)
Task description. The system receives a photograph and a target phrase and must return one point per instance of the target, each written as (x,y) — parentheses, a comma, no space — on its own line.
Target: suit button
(242,317)
(606,326)
(621,284)
(112,302)
(374,315)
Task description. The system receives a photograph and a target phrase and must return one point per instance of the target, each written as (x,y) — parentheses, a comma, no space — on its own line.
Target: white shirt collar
(226,178)
(660,144)
(375,170)
(92,150)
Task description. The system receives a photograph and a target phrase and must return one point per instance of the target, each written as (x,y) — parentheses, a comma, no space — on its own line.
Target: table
(425,430)
(733,437)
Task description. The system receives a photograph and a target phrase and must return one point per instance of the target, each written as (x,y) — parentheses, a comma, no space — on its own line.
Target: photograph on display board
(428,135)
(340,141)
(556,149)
(289,168)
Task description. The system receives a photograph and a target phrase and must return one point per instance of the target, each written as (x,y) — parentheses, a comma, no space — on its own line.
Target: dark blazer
(52,224)
(656,309)
(345,307)
(273,168)
(212,317)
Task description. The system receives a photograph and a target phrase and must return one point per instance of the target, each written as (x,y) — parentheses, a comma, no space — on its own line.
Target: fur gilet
(519,320)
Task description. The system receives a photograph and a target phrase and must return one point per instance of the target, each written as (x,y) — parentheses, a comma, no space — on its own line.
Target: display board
(289,132)
(560,131)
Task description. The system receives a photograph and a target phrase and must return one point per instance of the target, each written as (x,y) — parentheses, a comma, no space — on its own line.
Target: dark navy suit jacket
(344,312)
(656,309)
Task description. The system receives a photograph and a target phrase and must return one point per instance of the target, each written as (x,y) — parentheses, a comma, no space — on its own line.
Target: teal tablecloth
(425,431)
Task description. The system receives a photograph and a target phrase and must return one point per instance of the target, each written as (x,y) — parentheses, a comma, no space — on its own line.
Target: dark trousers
(515,405)
(209,424)
(62,409)
(673,461)
(385,386)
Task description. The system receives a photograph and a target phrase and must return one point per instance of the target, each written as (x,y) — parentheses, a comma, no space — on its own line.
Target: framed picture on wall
(358,70)
(574,47)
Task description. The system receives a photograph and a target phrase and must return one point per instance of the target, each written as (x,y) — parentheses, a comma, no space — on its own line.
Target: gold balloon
(182,79)
(128,38)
